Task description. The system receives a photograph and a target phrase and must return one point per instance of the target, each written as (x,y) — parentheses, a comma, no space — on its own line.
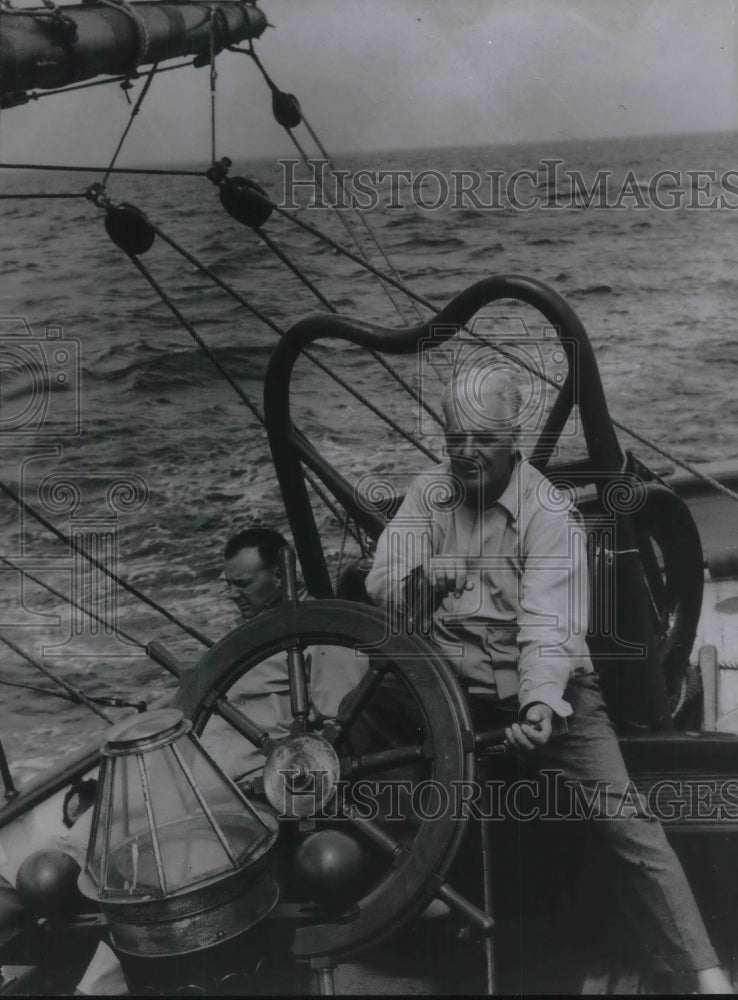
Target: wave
(547,241)
(723,285)
(444,240)
(155,404)
(187,366)
(592,290)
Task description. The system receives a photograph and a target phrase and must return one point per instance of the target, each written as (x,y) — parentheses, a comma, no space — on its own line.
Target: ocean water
(148,453)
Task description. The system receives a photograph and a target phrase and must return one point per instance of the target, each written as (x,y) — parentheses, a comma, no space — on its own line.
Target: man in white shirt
(505,555)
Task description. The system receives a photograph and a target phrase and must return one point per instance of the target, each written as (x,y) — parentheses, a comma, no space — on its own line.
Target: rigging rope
(203,345)
(109,701)
(687,466)
(329,241)
(342,551)
(77,547)
(682,463)
(98,170)
(348,227)
(297,271)
(134,111)
(74,604)
(36,95)
(213,79)
(326,498)
(363,218)
(705,477)
(208,351)
(396,375)
(407,435)
(339,179)
(76,695)
(390,279)
(36,194)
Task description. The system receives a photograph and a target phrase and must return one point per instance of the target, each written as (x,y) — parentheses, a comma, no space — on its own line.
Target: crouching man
(252,576)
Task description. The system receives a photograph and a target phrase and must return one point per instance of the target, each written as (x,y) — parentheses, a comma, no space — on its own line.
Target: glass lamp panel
(131,861)
(190,847)
(168,817)
(97,834)
(239,822)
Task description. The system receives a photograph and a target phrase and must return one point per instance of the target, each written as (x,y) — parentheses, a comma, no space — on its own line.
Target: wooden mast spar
(54,46)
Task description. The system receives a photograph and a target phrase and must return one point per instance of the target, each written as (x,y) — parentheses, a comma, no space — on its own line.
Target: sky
(399,74)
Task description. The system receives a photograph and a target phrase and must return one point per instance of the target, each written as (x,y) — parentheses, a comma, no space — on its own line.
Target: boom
(55,46)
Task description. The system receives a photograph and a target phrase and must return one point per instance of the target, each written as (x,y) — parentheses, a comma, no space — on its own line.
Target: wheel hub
(301,774)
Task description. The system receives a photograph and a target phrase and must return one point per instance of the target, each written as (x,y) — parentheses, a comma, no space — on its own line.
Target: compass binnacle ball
(47,883)
(332,868)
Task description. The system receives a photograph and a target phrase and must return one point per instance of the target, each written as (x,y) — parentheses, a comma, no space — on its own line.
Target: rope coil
(142,29)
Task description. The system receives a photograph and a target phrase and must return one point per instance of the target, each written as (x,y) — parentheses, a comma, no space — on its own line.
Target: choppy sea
(142,449)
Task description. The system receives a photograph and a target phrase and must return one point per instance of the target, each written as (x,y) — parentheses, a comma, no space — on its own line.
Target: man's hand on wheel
(450,577)
(535,731)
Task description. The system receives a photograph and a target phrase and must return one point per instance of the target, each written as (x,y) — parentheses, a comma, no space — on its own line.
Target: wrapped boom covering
(56,46)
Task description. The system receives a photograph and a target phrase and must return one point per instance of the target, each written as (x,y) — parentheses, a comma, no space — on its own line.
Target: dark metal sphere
(47,883)
(332,867)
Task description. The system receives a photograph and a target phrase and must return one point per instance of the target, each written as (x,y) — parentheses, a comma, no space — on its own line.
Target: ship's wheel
(310,775)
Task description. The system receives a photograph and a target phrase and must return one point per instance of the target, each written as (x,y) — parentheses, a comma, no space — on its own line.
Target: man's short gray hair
(473,384)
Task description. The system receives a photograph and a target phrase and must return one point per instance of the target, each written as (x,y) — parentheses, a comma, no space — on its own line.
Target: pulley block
(129,229)
(245,201)
(286,109)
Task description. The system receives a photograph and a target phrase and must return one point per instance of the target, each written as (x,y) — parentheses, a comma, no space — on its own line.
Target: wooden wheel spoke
(382,760)
(376,834)
(299,698)
(392,848)
(258,738)
(409,869)
(337,730)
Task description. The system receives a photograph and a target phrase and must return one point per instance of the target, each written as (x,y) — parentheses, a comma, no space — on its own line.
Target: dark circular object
(401,890)
(245,201)
(47,883)
(286,109)
(79,798)
(675,578)
(331,866)
(129,229)
(672,561)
